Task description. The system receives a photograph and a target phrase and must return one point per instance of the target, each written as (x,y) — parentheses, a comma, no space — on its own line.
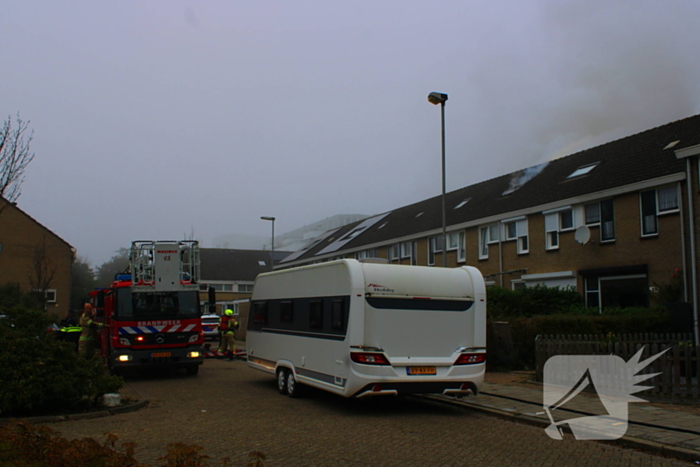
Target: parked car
(210,326)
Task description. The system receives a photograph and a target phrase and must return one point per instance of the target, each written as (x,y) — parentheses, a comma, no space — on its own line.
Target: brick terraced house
(616,222)
(35,258)
(231,275)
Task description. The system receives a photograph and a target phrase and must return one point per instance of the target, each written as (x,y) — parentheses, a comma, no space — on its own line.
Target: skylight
(672,144)
(419,214)
(262,263)
(583,170)
(462,203)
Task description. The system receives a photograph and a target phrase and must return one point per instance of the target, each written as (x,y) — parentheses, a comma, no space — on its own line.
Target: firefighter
(87,344)
(228,327)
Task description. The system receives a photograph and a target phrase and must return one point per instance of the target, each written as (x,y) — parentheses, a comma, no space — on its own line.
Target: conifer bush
(41,375)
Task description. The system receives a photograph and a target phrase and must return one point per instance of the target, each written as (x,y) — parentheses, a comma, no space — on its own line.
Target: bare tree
(15,156)
(43,270)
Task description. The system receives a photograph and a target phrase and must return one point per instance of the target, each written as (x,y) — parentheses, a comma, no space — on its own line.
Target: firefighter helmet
(229,312)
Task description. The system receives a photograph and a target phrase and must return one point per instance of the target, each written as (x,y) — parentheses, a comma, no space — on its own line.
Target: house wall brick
(20,238)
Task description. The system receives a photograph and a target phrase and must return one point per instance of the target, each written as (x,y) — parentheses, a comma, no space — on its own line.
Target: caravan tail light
(470,359)
(369,358)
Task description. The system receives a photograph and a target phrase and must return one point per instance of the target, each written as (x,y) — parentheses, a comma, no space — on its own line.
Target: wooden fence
(679,366)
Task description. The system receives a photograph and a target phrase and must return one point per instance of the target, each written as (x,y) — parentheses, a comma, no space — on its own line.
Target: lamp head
(267,218)
(437,98)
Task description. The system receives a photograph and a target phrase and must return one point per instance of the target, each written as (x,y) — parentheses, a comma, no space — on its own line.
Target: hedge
(41,375)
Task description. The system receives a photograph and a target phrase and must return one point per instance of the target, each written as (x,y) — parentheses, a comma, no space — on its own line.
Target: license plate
(421,370)
(160,354)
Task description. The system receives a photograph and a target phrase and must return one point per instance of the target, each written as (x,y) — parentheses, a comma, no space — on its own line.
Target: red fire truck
(151,316)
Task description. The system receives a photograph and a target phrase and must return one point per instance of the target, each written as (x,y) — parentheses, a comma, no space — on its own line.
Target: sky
(166,119)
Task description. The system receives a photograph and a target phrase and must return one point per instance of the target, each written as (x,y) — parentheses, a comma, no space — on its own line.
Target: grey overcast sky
(157,118)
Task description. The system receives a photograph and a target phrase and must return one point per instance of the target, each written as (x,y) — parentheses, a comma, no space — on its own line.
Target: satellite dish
(582,235)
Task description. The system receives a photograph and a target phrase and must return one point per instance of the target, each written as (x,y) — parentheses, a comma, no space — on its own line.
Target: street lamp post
(440,98)
(272,255)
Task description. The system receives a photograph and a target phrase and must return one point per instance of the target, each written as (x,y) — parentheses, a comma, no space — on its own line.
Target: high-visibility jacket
(88,328)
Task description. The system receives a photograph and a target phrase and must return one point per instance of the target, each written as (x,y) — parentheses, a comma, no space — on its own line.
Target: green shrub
(41,375)
(524,330)
(532,301)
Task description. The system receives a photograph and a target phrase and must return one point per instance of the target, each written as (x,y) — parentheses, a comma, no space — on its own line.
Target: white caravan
(362,329)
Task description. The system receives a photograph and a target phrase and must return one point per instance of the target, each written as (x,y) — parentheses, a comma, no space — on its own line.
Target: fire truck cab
(151,316)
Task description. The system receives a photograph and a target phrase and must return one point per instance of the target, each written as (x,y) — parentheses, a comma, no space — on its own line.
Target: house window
(227,287)
(654,203)
(245,287)
(494,233)
(452,241)
(462,247)
(551,229)
(648,206)
(511,230)
(394,251)
(566,220)
(414,253)
(483,242)
(406,250)
(517,230)
(592,292)
(667,199)
(555,222)
(592,214)
(50,295)
(434,246)
(607,221)
(487,235)
(366,254)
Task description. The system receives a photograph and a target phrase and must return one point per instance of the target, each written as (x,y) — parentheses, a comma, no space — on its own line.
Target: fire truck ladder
(144,256)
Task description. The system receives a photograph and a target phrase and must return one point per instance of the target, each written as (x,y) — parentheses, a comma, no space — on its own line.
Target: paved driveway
(231,410)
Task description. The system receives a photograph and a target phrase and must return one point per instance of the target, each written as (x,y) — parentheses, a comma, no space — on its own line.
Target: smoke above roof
(521,177)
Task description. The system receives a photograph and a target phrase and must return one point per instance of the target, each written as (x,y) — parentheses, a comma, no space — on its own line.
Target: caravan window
(316,314)
(338,315)
(287,311)
(260,312)
(418,304)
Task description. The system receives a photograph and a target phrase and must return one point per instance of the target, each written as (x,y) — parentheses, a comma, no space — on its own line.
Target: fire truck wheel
(282,380)
(193,370)
(293,387)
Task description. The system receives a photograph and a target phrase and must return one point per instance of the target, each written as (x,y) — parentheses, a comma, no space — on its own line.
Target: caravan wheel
(293,388)
(282,380)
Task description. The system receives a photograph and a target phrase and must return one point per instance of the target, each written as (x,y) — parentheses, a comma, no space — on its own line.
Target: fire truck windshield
(157,305)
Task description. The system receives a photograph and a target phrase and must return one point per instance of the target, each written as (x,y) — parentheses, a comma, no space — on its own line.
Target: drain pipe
(693,266)
(684,252)
(686,154)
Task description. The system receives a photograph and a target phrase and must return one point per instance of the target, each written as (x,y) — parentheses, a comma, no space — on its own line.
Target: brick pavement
(656,427)
(230,410)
